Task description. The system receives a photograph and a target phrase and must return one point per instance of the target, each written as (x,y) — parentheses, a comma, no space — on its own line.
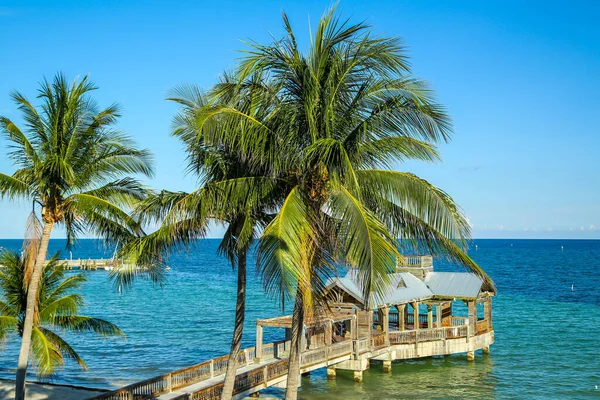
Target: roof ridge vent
(401,283)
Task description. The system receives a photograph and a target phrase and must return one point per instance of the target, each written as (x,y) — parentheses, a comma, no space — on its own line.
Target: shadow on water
(451,377)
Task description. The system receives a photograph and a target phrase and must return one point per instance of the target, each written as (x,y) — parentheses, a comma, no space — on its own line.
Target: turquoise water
(546,334)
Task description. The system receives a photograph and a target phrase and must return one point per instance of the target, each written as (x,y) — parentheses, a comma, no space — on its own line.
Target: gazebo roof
(454,284)
(405,287)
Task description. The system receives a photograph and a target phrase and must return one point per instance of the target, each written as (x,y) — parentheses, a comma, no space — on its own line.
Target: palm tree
(222,176)
(346,112)
(58,310)
(72,163)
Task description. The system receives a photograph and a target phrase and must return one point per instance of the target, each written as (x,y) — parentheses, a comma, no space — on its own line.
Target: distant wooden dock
(89,264)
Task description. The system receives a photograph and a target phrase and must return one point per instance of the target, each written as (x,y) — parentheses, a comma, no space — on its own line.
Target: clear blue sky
(521,83)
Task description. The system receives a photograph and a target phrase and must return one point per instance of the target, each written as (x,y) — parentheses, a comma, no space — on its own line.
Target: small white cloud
(582,228)
(549,229)
(592,227)
(500,227)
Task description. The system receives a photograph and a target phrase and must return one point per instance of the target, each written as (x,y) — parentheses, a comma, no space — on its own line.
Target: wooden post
(387,366)
(386,325)
(358,376)
(438,316)
(429,316)
(303,339)
(401,316)
(328,332)
(370,330)
(259,342)
(487,310)
(472,315)
(416,315)
(331,372)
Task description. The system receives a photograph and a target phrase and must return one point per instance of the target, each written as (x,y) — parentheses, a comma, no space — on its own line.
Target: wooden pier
(89,264)
(259,370)
(350,337)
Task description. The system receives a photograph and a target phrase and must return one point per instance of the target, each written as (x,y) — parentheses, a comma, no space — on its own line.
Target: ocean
(546,319)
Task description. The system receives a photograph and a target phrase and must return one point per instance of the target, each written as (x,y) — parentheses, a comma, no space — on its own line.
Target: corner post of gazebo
(386,324)
(303,342)
(487,310)
(259,341)
(401,310)
(438,315)
(328,332)
(416,315)
(429,316)
(472,315)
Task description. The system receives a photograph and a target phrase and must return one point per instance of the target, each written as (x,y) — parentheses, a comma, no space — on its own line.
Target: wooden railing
(427,335)
(183,377)
(200,372)
(482,326)
(264,373)
(378,340)
(416,261)
(195,373)
(274,370)
(459,330)
(459,321)
(363,345)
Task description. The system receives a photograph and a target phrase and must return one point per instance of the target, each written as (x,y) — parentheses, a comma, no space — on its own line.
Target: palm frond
(367,244)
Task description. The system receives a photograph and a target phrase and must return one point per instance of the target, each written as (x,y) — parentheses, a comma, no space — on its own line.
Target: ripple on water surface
(546,335)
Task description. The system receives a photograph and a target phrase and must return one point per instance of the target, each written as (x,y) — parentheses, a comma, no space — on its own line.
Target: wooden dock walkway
(349,335)
(204,381)
(89,264)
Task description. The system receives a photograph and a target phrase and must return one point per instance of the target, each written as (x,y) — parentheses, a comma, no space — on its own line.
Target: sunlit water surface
(546,333)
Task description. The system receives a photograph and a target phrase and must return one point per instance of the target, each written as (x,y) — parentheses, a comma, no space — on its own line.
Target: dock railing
(427,335)
(416,261)
(273,370)
(275,366)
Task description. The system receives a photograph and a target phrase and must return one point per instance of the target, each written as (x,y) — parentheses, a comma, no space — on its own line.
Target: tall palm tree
(222,176)
(72,163)
(347,111)
(58,310)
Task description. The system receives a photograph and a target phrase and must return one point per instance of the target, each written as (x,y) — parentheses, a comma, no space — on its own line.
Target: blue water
(546,334)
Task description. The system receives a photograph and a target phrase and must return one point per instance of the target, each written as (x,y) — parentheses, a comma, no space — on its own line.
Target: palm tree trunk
(238,330)
(32,292)
(293,378)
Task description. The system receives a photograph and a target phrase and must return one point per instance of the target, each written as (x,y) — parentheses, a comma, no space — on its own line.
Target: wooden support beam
(438,316)
(259,341)
(416,315)
(472,315)
(331,373)
(387,366)
(328,332)
(401,311)
(386,324)
(429,316)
